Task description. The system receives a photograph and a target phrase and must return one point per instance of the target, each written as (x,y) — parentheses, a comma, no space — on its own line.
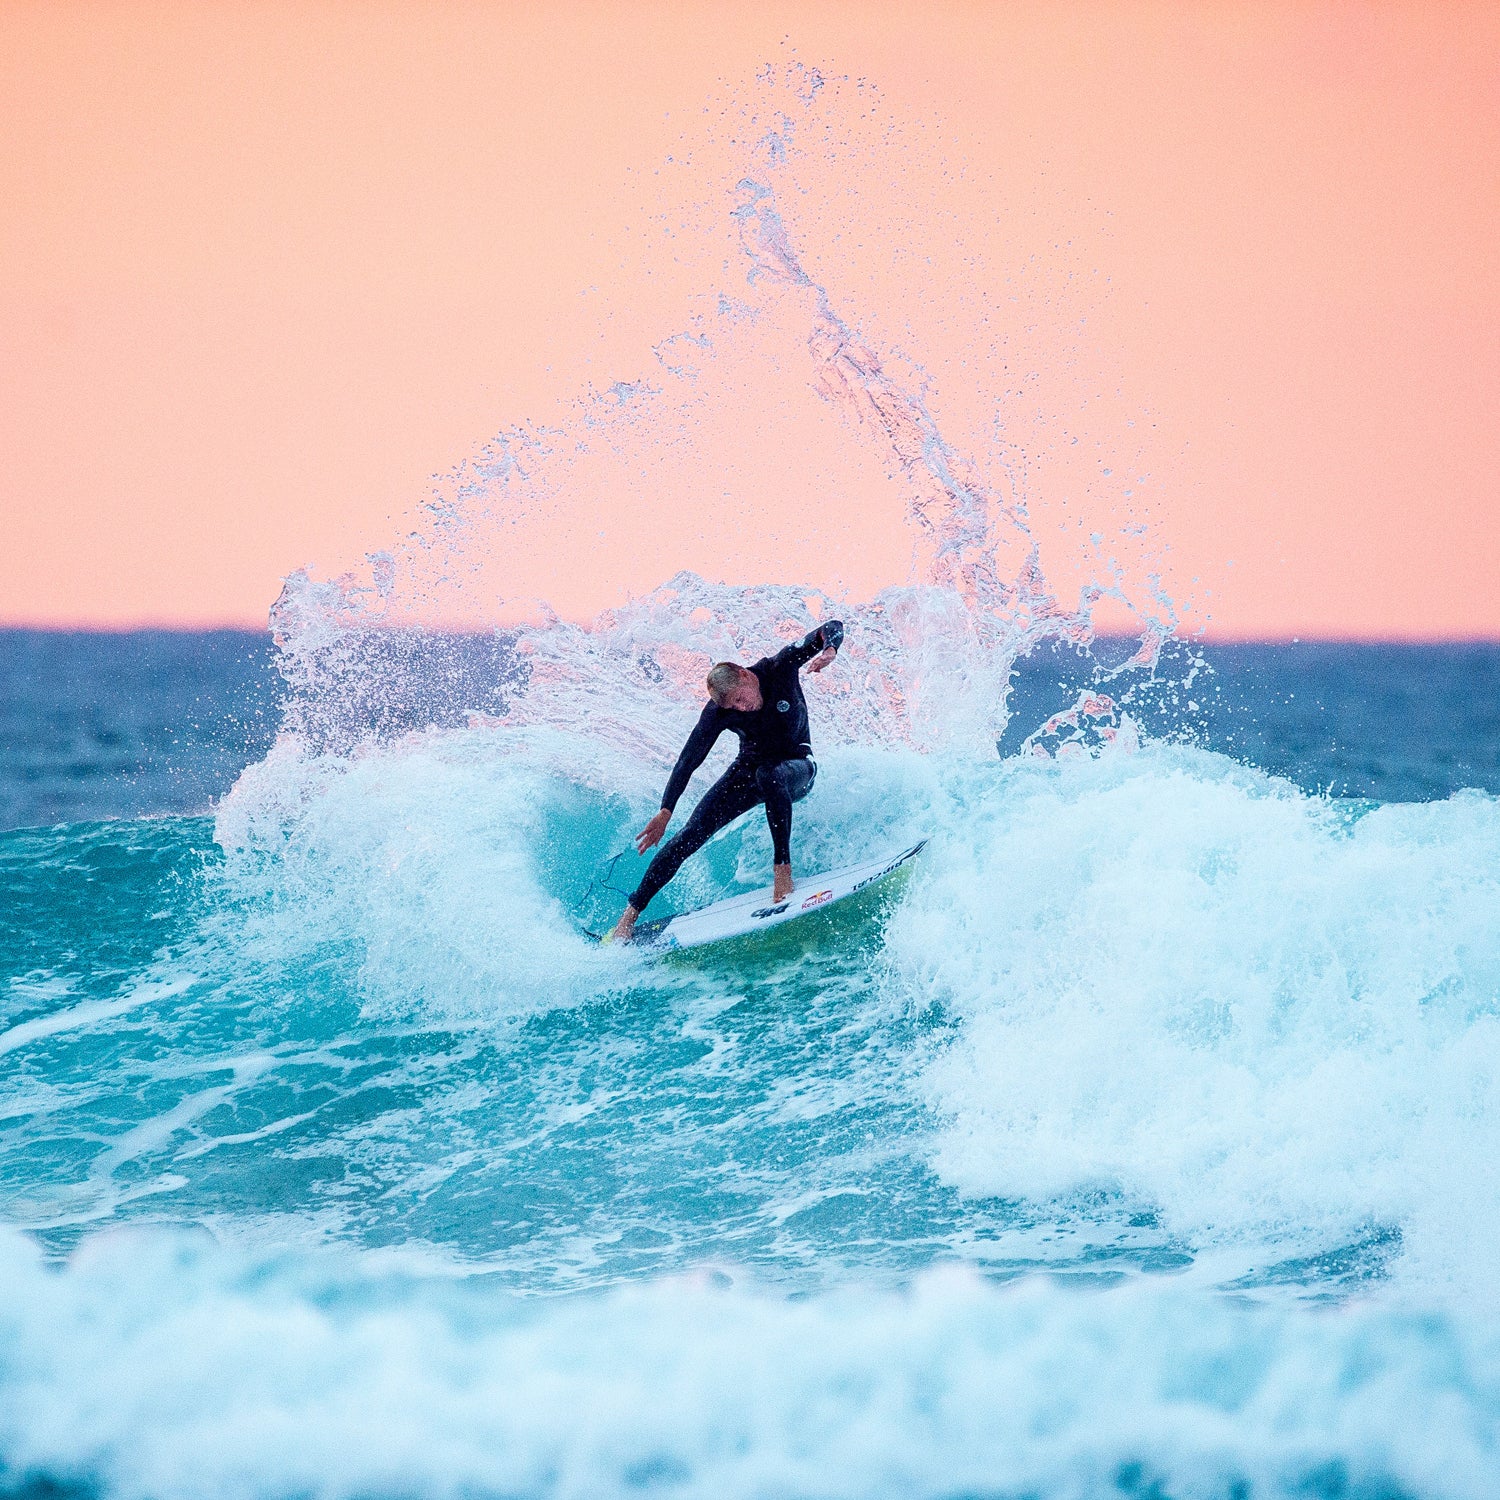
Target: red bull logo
(816,899)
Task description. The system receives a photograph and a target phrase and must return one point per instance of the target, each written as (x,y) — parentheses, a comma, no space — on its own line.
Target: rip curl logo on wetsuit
(783,707)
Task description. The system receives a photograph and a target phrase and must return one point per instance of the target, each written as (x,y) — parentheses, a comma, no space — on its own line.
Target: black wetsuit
(774,766)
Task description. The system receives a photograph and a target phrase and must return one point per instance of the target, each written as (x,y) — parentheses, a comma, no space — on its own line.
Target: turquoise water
(1144,1143)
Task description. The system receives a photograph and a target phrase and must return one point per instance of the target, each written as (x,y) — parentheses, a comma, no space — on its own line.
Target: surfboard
(756,912)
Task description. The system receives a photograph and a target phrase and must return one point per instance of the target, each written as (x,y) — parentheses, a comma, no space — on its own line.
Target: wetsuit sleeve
(708,728)
(829,633)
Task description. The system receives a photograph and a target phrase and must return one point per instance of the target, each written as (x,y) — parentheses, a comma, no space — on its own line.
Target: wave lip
(430,861)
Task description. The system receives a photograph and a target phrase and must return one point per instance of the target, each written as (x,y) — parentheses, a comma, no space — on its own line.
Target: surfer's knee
(772,780)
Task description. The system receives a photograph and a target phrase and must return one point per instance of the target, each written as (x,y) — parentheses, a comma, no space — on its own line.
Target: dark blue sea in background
(1146,1144)
(137,723)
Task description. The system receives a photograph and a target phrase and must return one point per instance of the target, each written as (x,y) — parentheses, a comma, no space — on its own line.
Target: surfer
(764,706)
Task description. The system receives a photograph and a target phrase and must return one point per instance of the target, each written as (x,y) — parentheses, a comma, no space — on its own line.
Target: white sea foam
(1270,1018)
(441,863)
(162,1367)
(89,1013)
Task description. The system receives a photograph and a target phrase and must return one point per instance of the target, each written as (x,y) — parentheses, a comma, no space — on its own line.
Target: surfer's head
(733,686)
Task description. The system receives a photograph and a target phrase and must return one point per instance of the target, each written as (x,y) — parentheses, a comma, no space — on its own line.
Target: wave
(1270,1020)
(156,1366)
(440,868)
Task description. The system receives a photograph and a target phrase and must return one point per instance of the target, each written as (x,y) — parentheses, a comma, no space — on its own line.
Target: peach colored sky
(265,268)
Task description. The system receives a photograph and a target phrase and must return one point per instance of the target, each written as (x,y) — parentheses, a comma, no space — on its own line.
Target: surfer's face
(745,695)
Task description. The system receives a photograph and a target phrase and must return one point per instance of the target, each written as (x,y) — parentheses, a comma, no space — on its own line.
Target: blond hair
(723,678)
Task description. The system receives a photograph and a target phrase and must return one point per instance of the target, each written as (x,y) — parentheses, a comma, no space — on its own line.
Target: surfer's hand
(822,659)
(652,832)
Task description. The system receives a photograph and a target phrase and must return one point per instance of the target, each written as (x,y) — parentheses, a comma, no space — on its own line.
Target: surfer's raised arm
(763,705)
(816,649)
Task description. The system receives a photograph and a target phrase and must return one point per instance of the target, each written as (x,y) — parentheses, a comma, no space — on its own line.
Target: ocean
(1144,1144)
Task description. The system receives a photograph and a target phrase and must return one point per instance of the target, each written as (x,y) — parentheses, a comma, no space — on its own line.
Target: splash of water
(927,663)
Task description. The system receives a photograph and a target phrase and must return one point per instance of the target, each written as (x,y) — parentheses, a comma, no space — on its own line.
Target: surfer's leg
(735,792)
(782,784)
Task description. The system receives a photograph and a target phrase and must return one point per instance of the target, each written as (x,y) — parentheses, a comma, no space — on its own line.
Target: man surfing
(764,706)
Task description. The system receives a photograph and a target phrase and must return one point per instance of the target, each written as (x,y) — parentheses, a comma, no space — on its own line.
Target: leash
(603,881)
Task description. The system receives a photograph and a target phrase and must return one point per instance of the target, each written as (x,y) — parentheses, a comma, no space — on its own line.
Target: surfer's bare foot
(625,926)
(783,886)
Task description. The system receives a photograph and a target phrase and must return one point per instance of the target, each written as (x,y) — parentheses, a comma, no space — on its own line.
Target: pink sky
(265,268)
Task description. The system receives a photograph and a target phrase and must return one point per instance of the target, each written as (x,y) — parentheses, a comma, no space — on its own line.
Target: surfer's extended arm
(709,727)
(827,638)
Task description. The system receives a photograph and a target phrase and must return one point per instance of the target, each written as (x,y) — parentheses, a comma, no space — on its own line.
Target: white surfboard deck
(756,912)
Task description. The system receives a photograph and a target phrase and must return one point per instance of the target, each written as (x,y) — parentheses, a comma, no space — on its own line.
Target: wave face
(1143,1143)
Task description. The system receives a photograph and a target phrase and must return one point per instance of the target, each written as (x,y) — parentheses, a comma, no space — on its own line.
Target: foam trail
(85,1014)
